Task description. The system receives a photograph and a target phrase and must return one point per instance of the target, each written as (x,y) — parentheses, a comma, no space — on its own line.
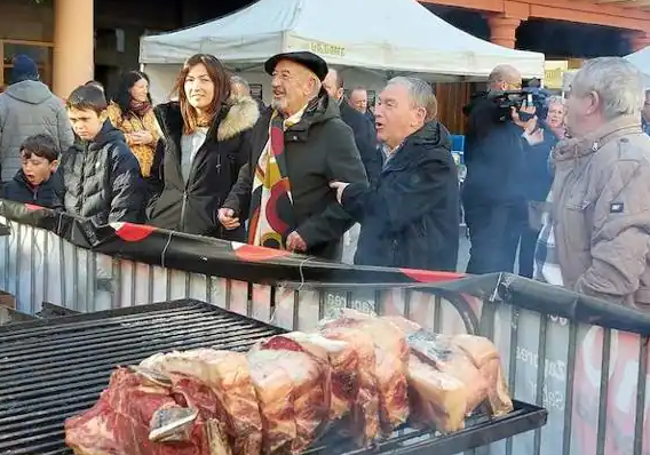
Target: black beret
(311,61)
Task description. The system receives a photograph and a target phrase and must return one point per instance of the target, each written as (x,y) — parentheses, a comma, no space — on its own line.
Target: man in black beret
(297,148)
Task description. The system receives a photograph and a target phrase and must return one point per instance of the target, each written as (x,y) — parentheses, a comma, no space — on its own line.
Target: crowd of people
(295,175)
(571,187)
(566,187)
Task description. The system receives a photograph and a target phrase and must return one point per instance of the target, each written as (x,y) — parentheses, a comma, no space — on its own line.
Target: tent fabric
(641,59)
(385,35)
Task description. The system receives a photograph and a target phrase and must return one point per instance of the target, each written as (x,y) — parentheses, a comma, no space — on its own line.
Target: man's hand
(339,187)
(529,125)
(296,243)
(227,218)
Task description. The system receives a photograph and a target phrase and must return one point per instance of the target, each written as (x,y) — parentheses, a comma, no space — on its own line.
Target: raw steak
(227,375)
(446,371)
(309,396)
(364,418)
(486,357)
(391,361)
(343,363)
(436,398)
(118,424)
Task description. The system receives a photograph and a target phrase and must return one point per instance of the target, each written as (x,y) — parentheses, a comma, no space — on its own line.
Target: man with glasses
(495,209)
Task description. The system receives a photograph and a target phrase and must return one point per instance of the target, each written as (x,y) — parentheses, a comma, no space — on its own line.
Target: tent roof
(386,35)
(641,59)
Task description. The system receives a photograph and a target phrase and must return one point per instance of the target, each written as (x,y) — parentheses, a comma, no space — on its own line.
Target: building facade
(77,40)
(74,41)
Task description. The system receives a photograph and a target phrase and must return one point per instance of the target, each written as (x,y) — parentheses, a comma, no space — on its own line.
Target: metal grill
(51,370)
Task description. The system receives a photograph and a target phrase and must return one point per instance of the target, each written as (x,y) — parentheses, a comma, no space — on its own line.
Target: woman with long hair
(131,112)
(205,138)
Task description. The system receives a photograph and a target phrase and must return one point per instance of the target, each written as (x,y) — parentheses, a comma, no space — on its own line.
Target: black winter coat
(365,137)
(47,194)
(537,178)
(494,156)
(320,148)
(410,218)
(192,206)
(102,180)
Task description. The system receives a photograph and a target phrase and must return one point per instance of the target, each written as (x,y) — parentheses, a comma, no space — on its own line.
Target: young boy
(101,177)
(34,183)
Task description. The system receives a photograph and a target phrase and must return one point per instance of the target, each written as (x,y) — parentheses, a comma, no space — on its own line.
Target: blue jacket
(47,194)
(410,216)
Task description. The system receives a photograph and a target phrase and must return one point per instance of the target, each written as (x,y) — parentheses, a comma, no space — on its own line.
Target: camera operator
(494,203)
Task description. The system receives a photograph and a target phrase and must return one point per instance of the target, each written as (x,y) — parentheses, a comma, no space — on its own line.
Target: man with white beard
(297,148)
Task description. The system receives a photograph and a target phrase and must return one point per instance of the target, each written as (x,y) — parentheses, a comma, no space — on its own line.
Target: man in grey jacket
(28,107)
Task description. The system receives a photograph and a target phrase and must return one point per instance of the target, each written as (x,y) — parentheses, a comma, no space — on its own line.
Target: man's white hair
(420,92)
(618,84)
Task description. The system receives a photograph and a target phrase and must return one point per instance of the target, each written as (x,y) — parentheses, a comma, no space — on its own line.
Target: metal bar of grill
(51,370)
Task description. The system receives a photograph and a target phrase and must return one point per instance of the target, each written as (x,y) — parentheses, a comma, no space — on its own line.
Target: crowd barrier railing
(586,361)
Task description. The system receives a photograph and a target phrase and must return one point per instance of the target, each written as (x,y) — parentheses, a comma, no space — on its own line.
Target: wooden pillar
(503,30)
(639,40)
(74,45)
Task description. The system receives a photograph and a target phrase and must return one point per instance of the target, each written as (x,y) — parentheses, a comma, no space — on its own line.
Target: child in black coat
(36,182)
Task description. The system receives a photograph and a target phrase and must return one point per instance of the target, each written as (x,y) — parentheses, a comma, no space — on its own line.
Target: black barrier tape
(242,262)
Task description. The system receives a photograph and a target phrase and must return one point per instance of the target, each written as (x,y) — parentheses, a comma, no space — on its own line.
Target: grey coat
(27,108)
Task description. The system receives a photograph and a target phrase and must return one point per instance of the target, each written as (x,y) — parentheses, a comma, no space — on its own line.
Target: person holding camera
(494,203)
(540,136)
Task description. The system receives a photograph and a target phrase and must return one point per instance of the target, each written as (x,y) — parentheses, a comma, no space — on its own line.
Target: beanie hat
(24,69)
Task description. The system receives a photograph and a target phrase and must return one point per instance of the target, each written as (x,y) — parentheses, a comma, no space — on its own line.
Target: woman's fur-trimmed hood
(242,115)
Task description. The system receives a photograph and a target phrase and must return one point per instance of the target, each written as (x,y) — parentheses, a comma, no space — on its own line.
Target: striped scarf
(271,202)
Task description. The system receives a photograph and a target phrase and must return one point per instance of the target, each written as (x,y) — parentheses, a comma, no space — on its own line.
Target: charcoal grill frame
(42,360)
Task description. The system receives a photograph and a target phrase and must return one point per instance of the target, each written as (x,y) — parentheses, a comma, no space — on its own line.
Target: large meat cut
(227,375)
(450,376)
(293,390)
(120,423)
(367,375)
(391,361)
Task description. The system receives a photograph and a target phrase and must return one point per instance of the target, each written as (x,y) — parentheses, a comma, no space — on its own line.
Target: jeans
(494,232)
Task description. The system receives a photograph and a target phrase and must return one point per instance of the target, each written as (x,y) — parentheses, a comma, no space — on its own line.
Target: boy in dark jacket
(35,182)
(101,177)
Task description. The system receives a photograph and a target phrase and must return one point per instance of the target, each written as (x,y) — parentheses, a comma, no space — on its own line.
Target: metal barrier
(592,380)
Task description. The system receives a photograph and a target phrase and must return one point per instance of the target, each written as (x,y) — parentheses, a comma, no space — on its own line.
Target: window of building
(40,52)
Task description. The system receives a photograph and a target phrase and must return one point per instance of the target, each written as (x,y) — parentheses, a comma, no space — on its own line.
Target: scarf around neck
(140,108)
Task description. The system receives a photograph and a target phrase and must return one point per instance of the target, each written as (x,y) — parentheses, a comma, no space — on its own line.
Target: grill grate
(51,370)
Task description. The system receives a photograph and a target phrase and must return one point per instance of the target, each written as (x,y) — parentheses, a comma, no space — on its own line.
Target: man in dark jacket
(285,185)
(28,107)
(495,207)
(411,217)
(364,135)
(101,177)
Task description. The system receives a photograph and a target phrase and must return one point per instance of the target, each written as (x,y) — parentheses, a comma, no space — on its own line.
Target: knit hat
(24,69)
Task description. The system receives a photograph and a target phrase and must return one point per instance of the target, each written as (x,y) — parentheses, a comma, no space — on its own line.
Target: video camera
(530,96)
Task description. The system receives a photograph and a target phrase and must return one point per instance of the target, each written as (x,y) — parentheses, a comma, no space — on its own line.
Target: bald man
(495,209)
(364,136)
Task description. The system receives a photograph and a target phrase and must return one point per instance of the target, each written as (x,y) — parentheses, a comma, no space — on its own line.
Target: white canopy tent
(641,59)
(382,37)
